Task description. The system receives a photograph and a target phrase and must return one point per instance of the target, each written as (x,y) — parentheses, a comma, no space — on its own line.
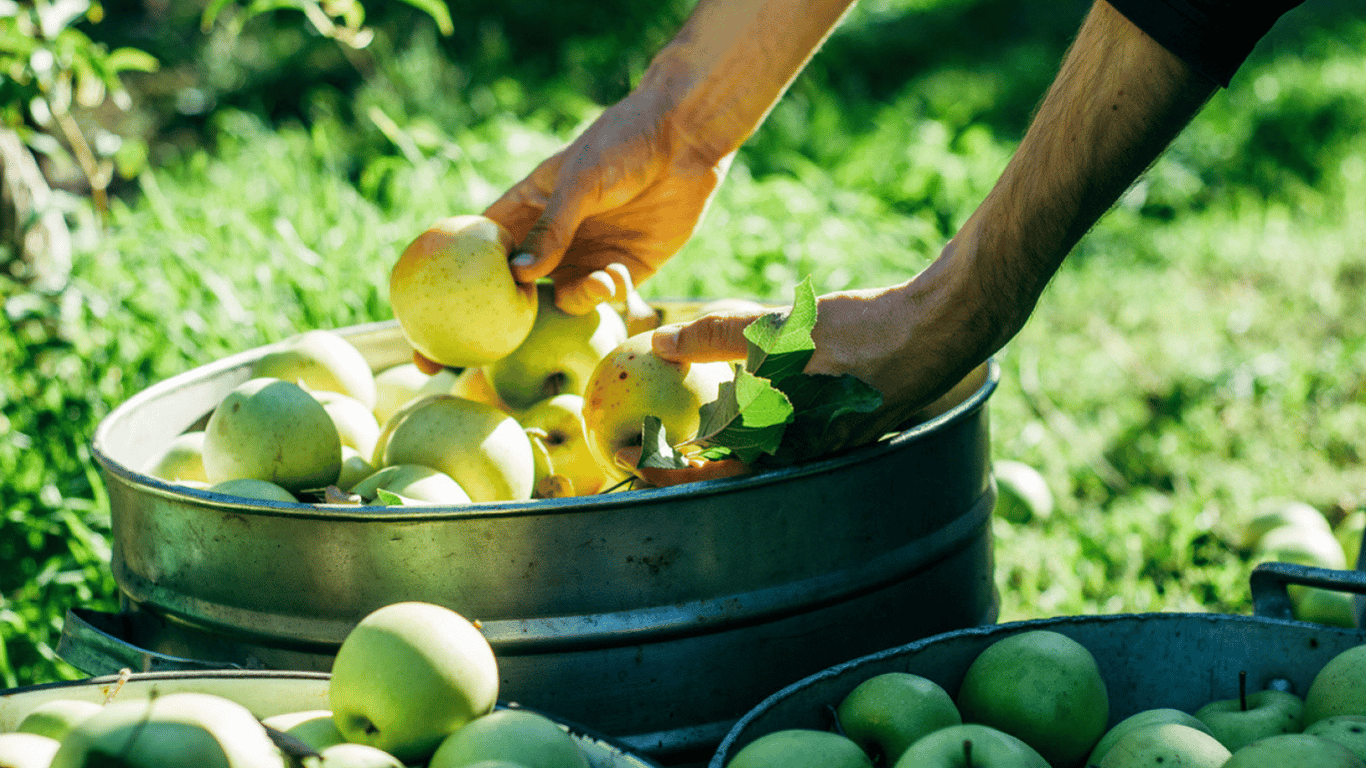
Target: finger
(580,295)
(707,339)
(427,366)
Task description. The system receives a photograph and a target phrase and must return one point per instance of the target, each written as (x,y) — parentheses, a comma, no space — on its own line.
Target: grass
(1201,351)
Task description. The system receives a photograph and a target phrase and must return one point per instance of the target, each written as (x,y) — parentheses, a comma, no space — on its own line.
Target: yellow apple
(270,429)
(183,459)
(482,448)
(558,355)
(454,295)
(408,675)
(632,382)
(323,361)
(566,440)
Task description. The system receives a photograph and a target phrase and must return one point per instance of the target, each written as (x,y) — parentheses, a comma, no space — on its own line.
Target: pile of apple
(1036,699)
(542,403)
(412,684)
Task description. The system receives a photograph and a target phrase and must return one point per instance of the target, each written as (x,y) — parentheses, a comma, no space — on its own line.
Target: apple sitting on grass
(632,382)
(1240,721)
(801,748)
(408,675)
(518,736)
(1165,744)
(1022,492)
(1293,750)
(454,295)
(1042,687)
(970,745)
(886,713)
(273,430)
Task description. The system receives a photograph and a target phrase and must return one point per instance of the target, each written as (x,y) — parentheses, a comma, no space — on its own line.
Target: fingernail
(523,260)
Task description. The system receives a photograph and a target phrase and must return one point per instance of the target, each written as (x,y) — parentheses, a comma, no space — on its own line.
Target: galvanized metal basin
(650,615)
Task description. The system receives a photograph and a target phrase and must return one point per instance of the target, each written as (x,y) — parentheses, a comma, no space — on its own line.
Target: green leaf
(818,400)
(781,344)
(439,12)
(131,60)
(389,498)
(748,416)
(211,12)
(655,450)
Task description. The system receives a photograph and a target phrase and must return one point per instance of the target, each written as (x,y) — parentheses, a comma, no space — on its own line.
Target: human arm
(632,187)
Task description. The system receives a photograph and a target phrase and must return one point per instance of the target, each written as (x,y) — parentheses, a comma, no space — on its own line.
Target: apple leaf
(389,498)
(780,344)
(818,400)
(655,450)
(749,417)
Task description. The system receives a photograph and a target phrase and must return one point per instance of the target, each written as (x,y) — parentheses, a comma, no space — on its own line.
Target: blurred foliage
(1157,387)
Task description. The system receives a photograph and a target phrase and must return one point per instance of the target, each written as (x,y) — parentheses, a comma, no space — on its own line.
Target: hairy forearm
(731,62)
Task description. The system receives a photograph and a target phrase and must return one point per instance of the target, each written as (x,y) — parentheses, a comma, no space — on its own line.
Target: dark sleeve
(1213,36)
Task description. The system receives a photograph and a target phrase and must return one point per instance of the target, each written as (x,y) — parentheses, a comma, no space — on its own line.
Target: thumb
(707,339)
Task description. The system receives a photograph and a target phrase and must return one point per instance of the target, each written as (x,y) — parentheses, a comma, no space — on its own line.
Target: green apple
(632,382)
(1276,513)
(1324,606)
(801,748)
(55,718)
(482,448)
(408,675)
(270,429)
(1303,544)
(518,736)
(1165,744)
(558,355)
(355,422)
(1288,750)
(886,713)
(399,385)
(183,459)
(320,360)
(27,750)
(1347,730)
(347,755)
(1339,688)
(473,384)
(1022,492)
(566,439)
(1156,716)
(970,745)
(355,468)
(1243,720)
(249,488)
(454,295)
(314,727)
(1042,687)
(176,730)
(415,482)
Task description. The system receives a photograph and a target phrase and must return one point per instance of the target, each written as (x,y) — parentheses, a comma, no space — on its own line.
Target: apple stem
(1242,689)
(967,753)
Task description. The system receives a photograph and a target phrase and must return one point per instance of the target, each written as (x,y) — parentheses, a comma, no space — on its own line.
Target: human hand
(628,191)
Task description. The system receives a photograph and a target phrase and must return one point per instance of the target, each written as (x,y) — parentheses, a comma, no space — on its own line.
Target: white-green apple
(1277,513)
(399,385)
(886,713)
(414,482)
(1242,720)
(314,727)
(1165,744)
(1156,716)
(558,355)
(183,459)
(56,717)
(354,468)
(271,429)
(1303,544)
(1042,687)
(27,750)
(348,755)
(1347,730)
(632,382)
(801,748)
(970,745)
(1324,606)
(566,439)
(1349,532)
(1339,688)
(518,736)
(250,488)
(1294,749)
(1022,492)
(320,360)
(355,422)
(176,730)
(454,295)
(482,448)
(408,675)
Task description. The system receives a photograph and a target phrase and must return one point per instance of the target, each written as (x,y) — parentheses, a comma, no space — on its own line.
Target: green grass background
(1204,348)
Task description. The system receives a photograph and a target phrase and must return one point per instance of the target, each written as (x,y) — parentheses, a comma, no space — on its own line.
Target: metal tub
(651,615)
(1148,660)
(264,693)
